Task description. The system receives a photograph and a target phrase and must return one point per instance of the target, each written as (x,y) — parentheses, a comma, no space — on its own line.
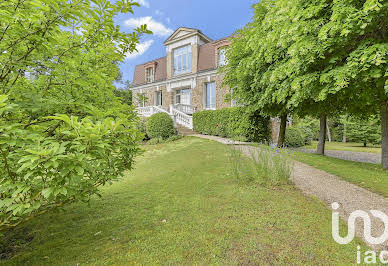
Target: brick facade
(204,63)
(203,69)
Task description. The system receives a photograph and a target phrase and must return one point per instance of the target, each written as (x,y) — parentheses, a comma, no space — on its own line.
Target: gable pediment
(183,32)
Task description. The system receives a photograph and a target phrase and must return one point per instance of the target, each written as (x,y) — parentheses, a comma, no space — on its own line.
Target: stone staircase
(185,131)
(182,120)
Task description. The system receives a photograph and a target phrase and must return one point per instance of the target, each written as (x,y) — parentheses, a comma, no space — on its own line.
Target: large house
(185,80)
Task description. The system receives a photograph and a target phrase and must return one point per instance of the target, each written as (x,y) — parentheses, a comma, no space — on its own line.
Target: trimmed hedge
(235,122)
(294,137)
(160,125)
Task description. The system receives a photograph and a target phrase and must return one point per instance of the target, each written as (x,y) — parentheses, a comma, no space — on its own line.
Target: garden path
(363,157)
(329,189)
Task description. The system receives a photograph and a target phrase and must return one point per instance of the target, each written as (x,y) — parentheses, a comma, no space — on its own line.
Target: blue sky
(215,18)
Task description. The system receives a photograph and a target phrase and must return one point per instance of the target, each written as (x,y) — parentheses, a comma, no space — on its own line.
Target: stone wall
(199,90)
(222,92)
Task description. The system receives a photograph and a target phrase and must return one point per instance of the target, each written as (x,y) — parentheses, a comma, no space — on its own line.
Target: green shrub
(160,125)
(142,127)
(155,141)
(308,135)
(41,172)
(236,122)
(294,137)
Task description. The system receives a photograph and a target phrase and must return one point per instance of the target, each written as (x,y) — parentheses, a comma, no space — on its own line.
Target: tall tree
(317,57)
(364,130)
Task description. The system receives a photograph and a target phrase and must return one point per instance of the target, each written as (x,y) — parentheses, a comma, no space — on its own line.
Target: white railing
(158,109)
(146,111)
(150,110)
(185,108)
(182,119)
(178,116)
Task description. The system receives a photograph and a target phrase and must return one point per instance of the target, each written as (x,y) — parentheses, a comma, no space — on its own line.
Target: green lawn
(350,146)
(367,175)
(182,206)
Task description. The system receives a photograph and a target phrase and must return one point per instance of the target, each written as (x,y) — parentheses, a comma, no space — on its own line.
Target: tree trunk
(328,130)
(344,136)
(282,131)
(384,135)
(322,135)
(364,144)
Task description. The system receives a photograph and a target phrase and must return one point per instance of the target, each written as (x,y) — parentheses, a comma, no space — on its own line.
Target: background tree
(63,132)
(364,130)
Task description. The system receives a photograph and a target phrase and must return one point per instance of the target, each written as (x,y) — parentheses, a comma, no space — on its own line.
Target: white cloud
(156,27)
(143,3)
(168,20)
(141,49)
(159,13)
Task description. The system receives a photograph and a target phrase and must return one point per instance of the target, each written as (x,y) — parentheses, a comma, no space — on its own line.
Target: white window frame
(209,105)
(182,60)
(178,93)
(150,74)
(142,102)
(158,97)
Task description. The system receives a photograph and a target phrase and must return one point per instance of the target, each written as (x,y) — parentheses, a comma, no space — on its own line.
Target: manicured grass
(182,206)
(350,146)
(367,175)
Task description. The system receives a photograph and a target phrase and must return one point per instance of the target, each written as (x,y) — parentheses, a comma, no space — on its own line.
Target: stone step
(185,131)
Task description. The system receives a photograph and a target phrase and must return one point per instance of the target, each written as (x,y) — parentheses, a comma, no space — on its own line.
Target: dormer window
(182,60)
(150,75)
(222,56)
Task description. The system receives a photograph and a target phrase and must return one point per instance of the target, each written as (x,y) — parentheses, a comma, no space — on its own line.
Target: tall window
(150,74)
(182,60)
(222,56)
(183,97)
(142,99)
(210,95)
(158,98)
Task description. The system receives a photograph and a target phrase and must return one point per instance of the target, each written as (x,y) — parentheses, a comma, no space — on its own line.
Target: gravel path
(331,189)
(363,157)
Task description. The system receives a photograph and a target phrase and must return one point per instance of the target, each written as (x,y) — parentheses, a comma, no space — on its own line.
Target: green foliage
(142,127)
(236,122)
(312,57)
(309,126)
(68,133)
(294,137)
(160,125)
(125,96)
(39,173)
(363,130)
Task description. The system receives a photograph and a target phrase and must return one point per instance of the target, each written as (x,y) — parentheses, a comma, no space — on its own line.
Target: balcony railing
(185,108)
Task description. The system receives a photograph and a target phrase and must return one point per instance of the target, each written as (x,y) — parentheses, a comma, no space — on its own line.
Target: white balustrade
(185,108)
(179,117)
(148,111)
(182,118)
